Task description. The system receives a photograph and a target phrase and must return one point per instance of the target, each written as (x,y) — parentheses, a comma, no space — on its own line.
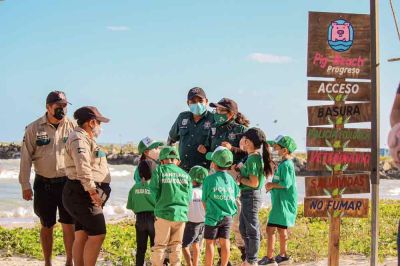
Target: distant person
(88,185)
(284,201)
(142,203)
(194,228)
(394,145)
(219,198)
(44,146)
(192,129)
(251,177)
(149,149)
(171,188)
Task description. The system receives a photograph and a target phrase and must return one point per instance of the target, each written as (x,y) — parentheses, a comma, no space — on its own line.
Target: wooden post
(375,79)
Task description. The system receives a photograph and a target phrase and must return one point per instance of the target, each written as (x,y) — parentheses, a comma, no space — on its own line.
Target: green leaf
(345,144)
(331,97)
(347,119)
(335,192)
(344,168)
(345,97)
(327,192)
(342,191)
(342,214)
(328,143)
(336,214)
(330,121)
(329,168)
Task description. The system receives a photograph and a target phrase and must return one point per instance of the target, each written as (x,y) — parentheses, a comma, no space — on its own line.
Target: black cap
(56,97)
(256,135)
(196,91)
(226,103)
(146,168)
(87,113)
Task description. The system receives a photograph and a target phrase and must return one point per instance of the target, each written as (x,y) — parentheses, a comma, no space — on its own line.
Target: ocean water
(15,210)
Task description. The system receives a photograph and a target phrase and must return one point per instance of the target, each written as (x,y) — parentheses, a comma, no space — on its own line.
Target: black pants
(144,230)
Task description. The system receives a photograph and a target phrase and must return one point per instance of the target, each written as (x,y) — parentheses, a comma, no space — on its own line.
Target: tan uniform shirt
(44,146)
(85,161)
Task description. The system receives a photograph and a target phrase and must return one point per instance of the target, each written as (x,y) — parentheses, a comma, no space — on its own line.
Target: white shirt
(196,209)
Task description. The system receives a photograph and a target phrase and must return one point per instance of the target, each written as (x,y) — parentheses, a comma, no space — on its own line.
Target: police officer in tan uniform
(88,185)
(44,146)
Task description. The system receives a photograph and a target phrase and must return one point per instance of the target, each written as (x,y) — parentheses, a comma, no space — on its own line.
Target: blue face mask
(197,108)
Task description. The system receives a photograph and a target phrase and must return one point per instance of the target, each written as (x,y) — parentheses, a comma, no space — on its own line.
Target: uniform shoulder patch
(185,121)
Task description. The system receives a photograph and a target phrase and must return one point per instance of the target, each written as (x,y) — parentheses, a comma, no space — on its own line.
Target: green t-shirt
(140,198)
(284,201)
(253,166)
(171,188)
(219,194)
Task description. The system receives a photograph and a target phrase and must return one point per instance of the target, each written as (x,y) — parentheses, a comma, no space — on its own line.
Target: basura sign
(339,114)
(345,184)
(339,91)
(338,138)
(339,45)
(323,207)
(338,160)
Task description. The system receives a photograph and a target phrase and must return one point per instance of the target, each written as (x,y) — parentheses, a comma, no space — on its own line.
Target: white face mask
(154,154)
(97,131)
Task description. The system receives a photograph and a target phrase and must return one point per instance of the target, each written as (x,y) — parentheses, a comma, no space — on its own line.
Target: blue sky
(136,60)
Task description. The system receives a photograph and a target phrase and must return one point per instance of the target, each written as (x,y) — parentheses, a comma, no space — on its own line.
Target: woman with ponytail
(251,176)
(229,124)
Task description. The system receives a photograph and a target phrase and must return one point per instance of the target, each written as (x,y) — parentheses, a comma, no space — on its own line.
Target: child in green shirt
(141,202)
(171,188)
(219,194)
(284,200)
(149,150)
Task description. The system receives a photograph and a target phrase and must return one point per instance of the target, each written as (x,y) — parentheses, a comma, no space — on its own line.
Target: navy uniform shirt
(190,135)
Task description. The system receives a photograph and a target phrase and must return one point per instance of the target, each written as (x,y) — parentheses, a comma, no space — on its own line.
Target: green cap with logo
(221,157)
(285,142)
(198,173)
(169,152)
(148,144)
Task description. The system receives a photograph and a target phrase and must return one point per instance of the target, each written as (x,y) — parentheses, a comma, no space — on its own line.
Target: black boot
(243,251)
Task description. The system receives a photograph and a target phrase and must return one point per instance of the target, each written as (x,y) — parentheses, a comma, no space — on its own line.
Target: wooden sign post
(338,47)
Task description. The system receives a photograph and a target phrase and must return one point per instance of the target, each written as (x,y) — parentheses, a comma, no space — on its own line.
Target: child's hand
(202,149)
(269,186)
(226,145)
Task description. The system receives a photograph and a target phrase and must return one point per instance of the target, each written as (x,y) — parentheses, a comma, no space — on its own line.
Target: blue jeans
(249,224)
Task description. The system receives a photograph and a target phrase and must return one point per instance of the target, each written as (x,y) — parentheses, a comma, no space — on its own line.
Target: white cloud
(269,58)
(118,28)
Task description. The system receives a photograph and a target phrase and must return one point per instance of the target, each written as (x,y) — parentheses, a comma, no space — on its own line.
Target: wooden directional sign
(319,207)
(338,138)
(339,91)
(339,114)
(353,161)
(349,184)
(339,45)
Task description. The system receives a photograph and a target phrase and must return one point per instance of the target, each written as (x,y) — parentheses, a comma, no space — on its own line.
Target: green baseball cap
(148,144)
(169,152)
(198,173)
(285,142)
(221,157)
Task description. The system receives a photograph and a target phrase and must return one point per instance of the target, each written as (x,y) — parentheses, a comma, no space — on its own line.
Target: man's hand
(27,194)
(226,145)
(96,200)
(202,149)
